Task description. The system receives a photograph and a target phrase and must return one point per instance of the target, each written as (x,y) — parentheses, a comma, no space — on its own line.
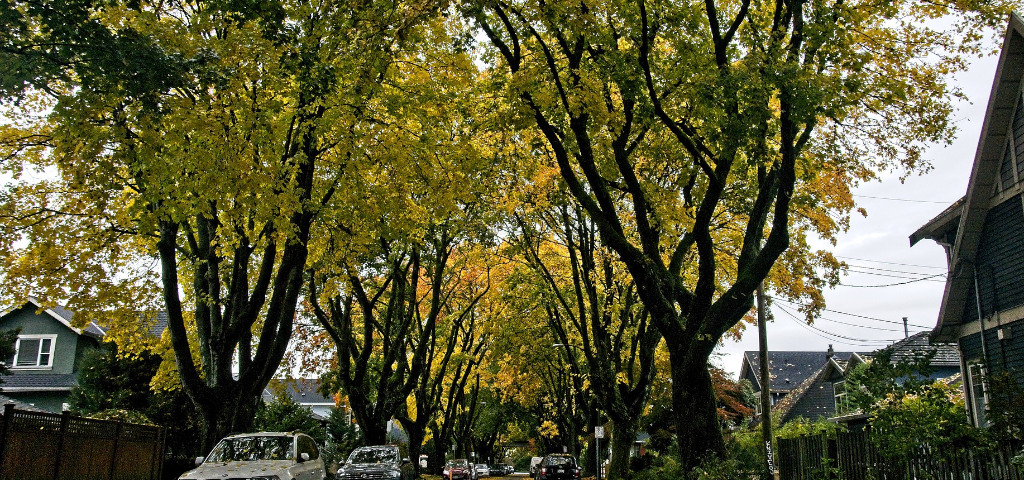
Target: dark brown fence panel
(856,458)
(48,446)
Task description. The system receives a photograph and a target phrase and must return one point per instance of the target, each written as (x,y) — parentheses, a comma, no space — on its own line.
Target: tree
(8,339)
(592,306)
(109,381)
(207,135)
(284,414)
(704,139)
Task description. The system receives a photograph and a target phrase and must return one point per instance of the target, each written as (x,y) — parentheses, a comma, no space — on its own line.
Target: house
(303,391)
(790,370)
(48,352)
(812,385)
(982,308)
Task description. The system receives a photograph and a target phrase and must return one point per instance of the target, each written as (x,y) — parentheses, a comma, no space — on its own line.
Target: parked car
(482,470)
(377,462)
(281,455)
(558,466)
(458,469)
(507,469)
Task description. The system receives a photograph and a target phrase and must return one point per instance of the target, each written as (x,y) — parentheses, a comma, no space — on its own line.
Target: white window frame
(39,353)
(841,397)
(977,378)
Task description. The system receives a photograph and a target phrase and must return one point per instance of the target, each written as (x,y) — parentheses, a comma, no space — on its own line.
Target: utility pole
(766,401)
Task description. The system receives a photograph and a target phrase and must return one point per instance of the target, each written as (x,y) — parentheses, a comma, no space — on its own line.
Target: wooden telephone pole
(766,401)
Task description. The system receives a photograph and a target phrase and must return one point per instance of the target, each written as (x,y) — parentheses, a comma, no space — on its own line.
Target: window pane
(28,352)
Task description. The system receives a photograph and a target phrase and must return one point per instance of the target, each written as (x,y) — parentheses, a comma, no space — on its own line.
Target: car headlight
(395,475)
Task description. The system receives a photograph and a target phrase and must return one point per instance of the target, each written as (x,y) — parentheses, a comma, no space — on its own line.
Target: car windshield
(373,455)
(561,461)
(252,448)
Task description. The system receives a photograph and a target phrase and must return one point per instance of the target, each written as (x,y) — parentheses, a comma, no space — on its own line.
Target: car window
(252,448)
(374,455)
(568,461)
(307,445)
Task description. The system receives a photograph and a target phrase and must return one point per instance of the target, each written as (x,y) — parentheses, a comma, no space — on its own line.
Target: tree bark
(699,431)
(623,435)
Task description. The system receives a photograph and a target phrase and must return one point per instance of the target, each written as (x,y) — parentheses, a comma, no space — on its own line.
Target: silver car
(261,456)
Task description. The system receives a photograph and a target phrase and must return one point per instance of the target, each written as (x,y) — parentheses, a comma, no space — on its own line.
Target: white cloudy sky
(877,248)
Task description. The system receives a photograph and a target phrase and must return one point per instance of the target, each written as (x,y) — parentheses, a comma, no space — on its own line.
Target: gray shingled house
(811,385)
(801,381)
(983,234)
(47,354)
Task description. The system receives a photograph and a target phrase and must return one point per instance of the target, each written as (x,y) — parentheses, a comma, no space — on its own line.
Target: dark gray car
(382,462)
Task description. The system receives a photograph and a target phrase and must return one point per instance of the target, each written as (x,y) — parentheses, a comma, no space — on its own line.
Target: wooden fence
(851,456)
(49,446)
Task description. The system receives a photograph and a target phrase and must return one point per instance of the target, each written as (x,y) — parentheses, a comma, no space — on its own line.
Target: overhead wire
(889,263)
(835,337)
(865,317)
(892,284)
(910,200)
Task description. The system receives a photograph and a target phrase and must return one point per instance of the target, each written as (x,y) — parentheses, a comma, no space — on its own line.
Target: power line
(854,315)
(902,199)
(887,270)
(830,333)
(890,263)
(805,327)
(929,277)
(892,284)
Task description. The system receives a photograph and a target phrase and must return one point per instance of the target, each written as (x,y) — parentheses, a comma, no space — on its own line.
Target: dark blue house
(983,235)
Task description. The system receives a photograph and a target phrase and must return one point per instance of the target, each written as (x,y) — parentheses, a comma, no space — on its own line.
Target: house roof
(942,226)
(301,390)
(38,382)
(788,369)
(62,315)
(984,175)
(946,354)
(65,316)
(784,406)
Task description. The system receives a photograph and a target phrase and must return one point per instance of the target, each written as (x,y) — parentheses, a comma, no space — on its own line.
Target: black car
(383,462)
(558,466)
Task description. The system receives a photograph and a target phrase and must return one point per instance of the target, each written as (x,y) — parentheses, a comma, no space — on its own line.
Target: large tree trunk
(698,430)
(623,434)
(232,413)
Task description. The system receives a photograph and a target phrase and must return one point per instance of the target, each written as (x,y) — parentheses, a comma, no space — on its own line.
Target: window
(307,445)
(33,351)
(978,392)
(842,400)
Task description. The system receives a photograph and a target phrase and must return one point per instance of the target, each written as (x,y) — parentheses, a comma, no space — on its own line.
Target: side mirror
(199,461)
(303,457)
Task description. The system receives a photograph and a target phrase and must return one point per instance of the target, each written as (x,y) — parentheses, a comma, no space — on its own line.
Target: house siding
(818,402)
(64,348)
(1000,262)
(1003,355)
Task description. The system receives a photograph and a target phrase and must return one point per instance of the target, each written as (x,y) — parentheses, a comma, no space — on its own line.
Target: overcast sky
(865,313)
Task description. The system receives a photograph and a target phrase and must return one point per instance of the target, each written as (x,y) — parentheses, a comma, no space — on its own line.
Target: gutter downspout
(984,346)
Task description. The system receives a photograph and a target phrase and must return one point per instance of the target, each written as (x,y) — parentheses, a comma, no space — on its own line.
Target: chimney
(831,352)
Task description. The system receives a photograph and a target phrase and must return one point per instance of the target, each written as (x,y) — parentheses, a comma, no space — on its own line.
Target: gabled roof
(784,406)
(984,175)
(788,369)
(63,316)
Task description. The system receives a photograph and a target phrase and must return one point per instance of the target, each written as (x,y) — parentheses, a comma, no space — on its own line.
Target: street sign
(599,431)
